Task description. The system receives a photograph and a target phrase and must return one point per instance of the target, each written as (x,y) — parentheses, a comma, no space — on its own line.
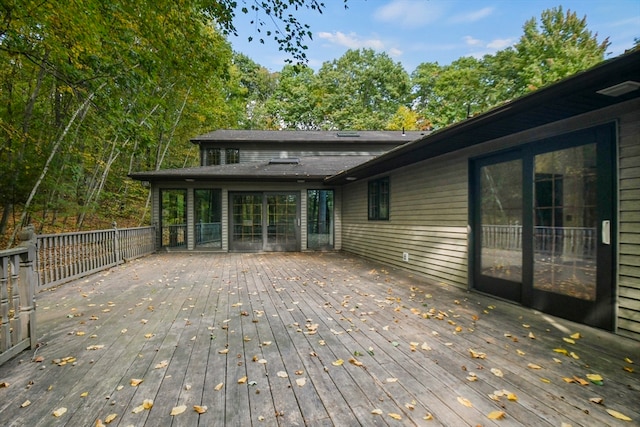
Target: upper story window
(211,157)
(379,199)
(232,155)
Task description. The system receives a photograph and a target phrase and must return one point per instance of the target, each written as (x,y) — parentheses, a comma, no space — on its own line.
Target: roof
(309,136)
(303,168)
(570,97)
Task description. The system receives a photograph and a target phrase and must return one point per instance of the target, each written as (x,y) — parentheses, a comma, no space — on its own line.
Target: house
(536,201)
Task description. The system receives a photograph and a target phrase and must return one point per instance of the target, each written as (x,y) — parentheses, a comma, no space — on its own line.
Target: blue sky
(416,31)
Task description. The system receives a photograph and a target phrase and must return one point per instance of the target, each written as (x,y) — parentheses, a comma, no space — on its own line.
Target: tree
(294,104)
(559,47)
(361,90)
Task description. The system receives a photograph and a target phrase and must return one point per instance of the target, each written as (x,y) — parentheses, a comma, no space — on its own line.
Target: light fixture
(189,179)
(620,88)
(351,178)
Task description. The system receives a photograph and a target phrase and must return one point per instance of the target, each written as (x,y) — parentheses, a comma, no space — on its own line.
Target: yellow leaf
(561,351)
(242,380)
(533,337)
(25,403)
(594,377)
(628,369)
(534,366)
(200,409)
(465,402)
(596,400)
(569,340)
(377,412)
(626,359)
(355,362)
(148,336)
(99,423)
(4,385)
(395,416)
(618,415)
(224,351)
(301,381)
(178,410)
(496,415)
(110,418)
(546,381)
(497,372)
(568,380)
(575,356)
(162,364)
(138,409)
(85,394)
(428,417)
(338,362)
(147,404)
(477,354)
(520,352)
(581,381)
(59,412)
(392,380)
(135,382)
(576,336)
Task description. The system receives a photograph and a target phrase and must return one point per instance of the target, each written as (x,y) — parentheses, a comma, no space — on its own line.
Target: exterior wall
(427,220)
(258,153)
(629,226)
(429,211)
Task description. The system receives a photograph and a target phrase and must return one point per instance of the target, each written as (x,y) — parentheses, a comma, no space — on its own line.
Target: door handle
(606,232)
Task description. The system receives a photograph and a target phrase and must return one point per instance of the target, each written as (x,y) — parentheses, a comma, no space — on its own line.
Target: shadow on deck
(306,339)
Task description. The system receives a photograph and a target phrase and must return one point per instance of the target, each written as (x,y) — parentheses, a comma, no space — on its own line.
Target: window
(232,155)
(173,219)
(379,199)
(208,215)
(211,157)
(320,219)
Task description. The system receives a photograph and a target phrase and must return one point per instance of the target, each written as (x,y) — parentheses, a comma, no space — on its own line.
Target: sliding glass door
(543,225)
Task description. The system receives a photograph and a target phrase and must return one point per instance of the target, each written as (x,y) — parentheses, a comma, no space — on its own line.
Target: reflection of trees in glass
(174,207)
(501,189)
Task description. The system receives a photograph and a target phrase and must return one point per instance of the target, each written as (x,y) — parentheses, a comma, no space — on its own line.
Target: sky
(415,31)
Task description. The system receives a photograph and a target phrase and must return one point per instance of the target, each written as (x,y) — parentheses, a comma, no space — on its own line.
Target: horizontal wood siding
(629,233)
(428,220)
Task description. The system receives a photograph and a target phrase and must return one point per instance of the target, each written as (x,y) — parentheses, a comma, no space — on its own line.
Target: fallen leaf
(533,337)
(546,381)
(338,362)
(392,380)
(138,409)
(242,380)
(395,416)
(219,387)
(85,394)
(575,356)
(301,381)
(262,361)
(465,402)
(569,340)
(147,404)
(628,369)
(200,409)
(95,347)
(534,366)
(629,361)
(25,403)
(581,381)
(110,418)
(4,385)
(148,336)
(596,400)
(496,415)
(520,352)
(561,351)
(497,372)
(618,415)
(428,417)
(135,382)
(99,423)
(594,377)
(178,410)
(224,351)
(377,412)
(162,364)
(576,336)
(425,346)
(59,412)
(355,362)
(477,354)
(282,374)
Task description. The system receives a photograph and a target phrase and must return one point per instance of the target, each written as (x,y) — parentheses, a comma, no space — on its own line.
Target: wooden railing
(17,300)
(67,256)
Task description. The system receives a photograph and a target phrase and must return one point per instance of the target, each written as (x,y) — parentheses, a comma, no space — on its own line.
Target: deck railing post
(116,243)
(28,285)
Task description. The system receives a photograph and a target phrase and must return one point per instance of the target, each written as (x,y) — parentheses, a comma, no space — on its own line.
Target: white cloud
(472,16)
(499,44)
(351,40)
(470,41)
(395,52)
(408,13)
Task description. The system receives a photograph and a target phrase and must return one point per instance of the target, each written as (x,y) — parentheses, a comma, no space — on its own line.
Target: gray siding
(629,232)
(427,220)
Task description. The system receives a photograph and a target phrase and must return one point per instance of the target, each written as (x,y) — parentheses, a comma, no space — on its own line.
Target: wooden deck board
(301,313)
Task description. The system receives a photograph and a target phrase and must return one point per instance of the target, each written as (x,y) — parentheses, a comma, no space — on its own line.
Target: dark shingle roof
(308,169)
(309,136)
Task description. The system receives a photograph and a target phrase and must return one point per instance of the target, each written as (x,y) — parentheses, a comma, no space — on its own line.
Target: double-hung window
(379,199)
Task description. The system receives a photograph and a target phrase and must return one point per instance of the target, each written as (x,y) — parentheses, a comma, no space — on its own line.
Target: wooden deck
(305,339)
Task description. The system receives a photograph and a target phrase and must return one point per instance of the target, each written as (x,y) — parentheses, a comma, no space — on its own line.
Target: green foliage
(361,90)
